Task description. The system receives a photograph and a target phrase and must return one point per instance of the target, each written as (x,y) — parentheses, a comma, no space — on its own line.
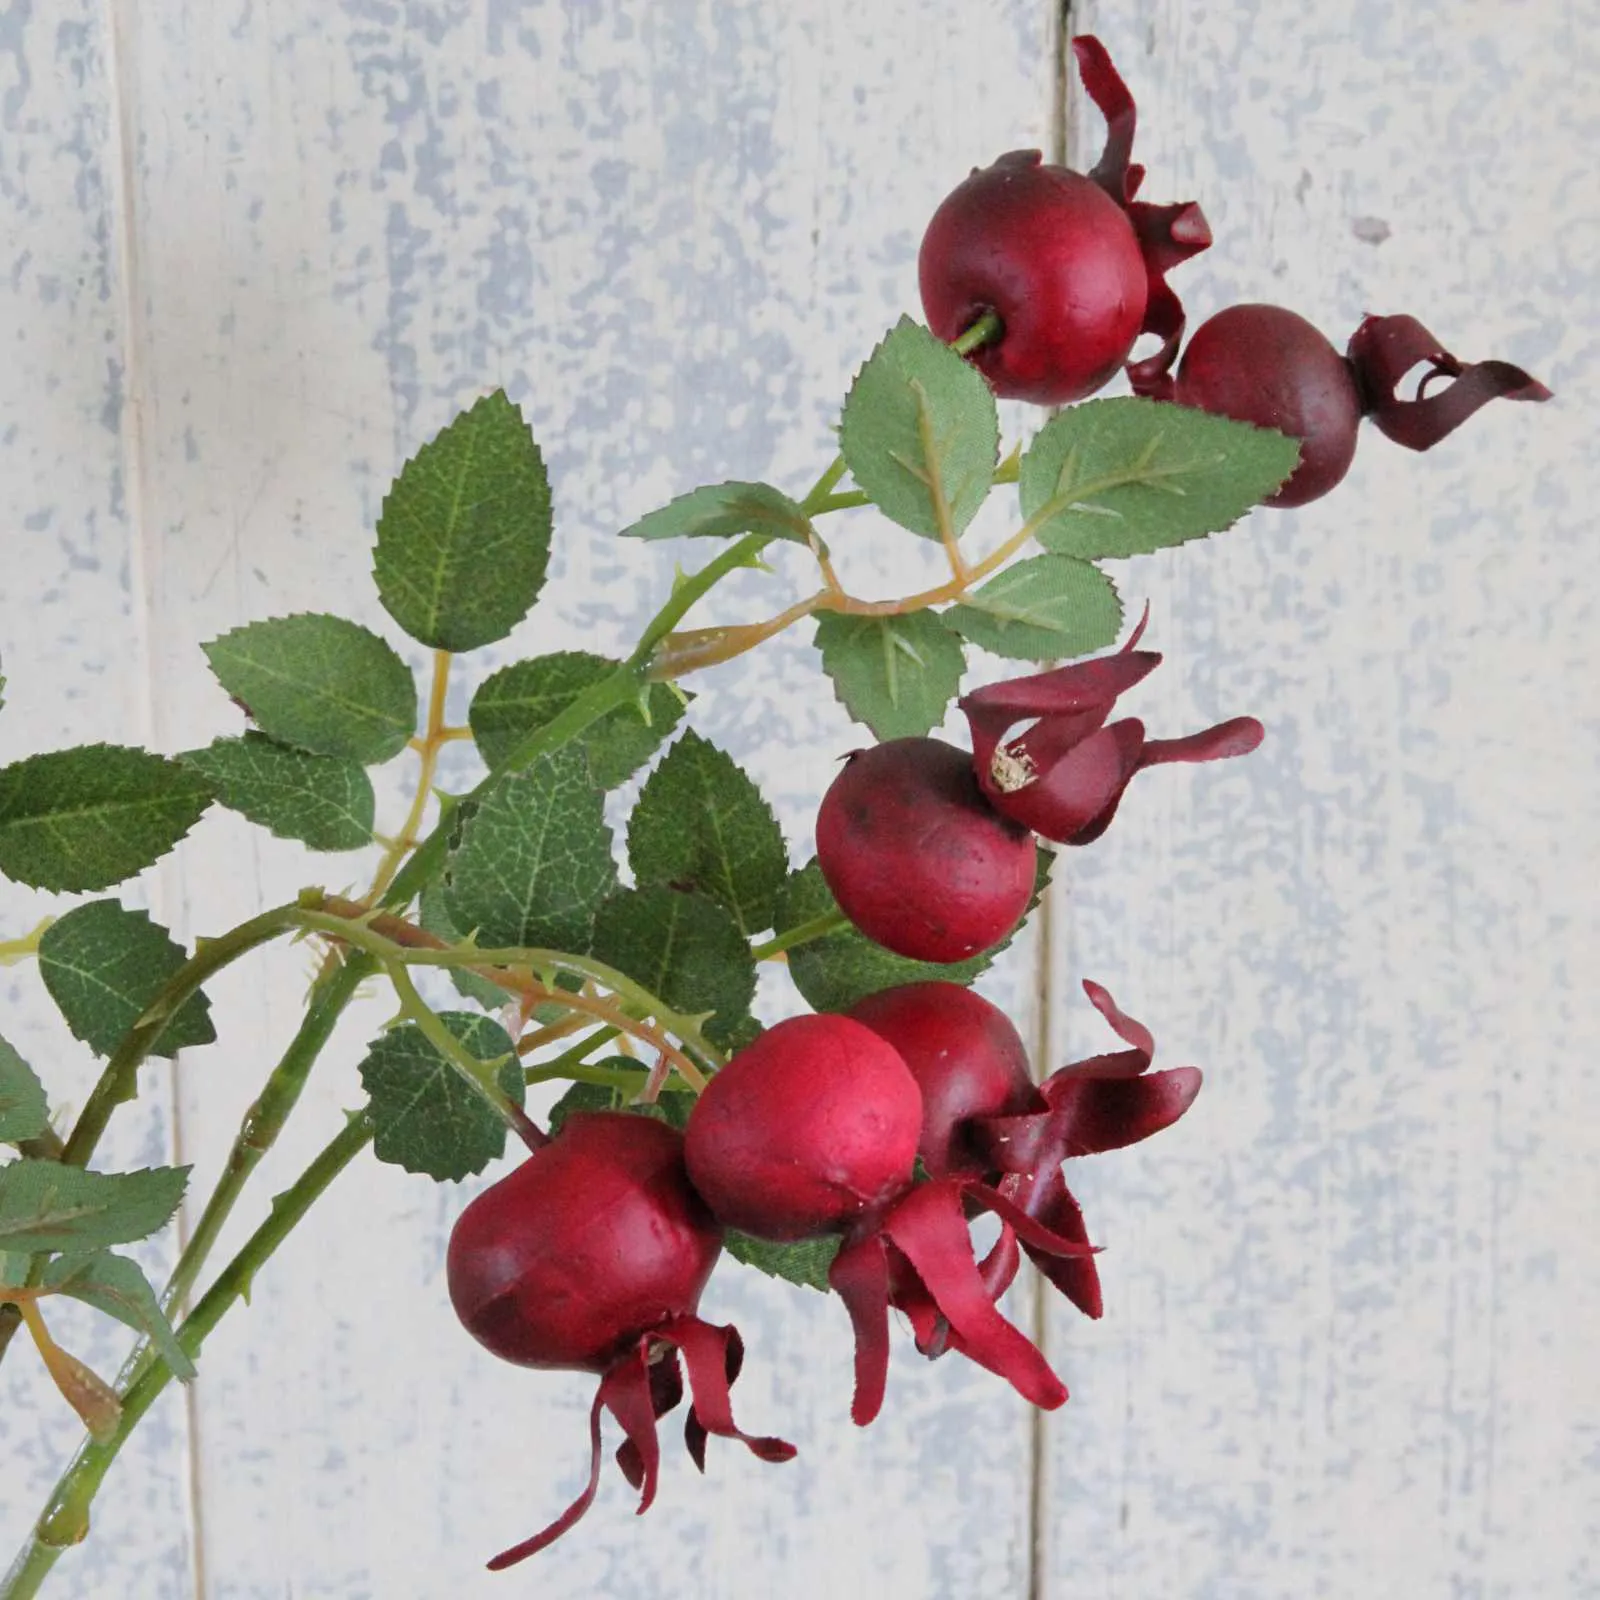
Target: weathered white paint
(1352,1299)
(1348,1296)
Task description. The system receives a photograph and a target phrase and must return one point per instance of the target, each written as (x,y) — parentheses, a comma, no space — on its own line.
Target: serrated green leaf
(1124,477)
(464,535)
(835,971)
(724,511)
(683,948)
(425,1116)
(673,1107)
(323,801)
(89,817)
(920,433)
(534,861)
(45,1206)
(118,1287)
(1046,608)
(24,1106)
(518,700)
(434,916)
(896,674)
(323,683)
(702,824)
(103,964)
(805,1263)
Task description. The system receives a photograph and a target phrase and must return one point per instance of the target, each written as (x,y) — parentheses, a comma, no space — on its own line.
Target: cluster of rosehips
(890,1127)
(1074,268)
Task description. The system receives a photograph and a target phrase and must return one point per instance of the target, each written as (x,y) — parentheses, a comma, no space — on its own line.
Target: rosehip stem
(988,329)
(817,927)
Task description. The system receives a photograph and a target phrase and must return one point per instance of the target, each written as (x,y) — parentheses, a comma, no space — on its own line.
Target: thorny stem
(66,1516)
(259,1129)
(480,1074)
(704,647)
(118,1080)
(564,1065)
(393,940)
(399,881)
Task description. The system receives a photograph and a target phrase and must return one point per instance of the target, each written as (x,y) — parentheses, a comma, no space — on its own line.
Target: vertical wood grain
(73,646)
(1350,1298)
(672,235)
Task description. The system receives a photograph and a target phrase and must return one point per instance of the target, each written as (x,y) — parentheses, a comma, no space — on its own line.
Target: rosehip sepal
(1065,776)
(641,1386)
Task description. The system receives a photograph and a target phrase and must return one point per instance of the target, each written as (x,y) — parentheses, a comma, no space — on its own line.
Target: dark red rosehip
(1055,257)
(1265,365)
(917,857)
(967,1059)
(593,1240)
(806,1131)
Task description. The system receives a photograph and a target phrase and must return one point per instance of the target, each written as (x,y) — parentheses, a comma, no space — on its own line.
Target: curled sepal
(1045,1195)
(571,1516)
(1168,234)
(1106,1102)
(929,1228)
(932,1332)
(641,1386)
(1384,349)
(1064,776)
(860,1277)
(713,1357)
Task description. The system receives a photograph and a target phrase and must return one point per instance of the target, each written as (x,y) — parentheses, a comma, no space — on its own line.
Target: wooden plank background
(254,254)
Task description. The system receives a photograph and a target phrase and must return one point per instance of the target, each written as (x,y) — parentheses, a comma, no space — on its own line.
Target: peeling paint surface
(252,255)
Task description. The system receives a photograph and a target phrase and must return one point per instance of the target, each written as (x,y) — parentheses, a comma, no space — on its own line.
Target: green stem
(986,330)
(559,1066)
(635,995)
(480,1075)
(817,927)
(119,1080)
(24,948)
(65,1520)
(260,1128)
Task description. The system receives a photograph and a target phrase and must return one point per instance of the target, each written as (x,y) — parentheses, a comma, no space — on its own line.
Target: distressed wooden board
(1351,1300)
(672,237)
(72,643)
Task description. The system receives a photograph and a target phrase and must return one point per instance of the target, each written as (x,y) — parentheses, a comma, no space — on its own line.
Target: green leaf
(426,1117)
(673,1107)
(103,964)
(534,861)
(464,535)
(434,916)
(896,674)
(518,700)
(920,433)
(805,1263)
(683,948)
(702,824)
(835,971)
(24,1107)
(724,511)
(324,801)
(89,817)
(1124,477)
(117,1286)
(1043,609)
(45,1206)
(323,683)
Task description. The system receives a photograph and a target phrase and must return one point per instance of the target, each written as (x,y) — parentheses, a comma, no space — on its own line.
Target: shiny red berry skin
(1055,258)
